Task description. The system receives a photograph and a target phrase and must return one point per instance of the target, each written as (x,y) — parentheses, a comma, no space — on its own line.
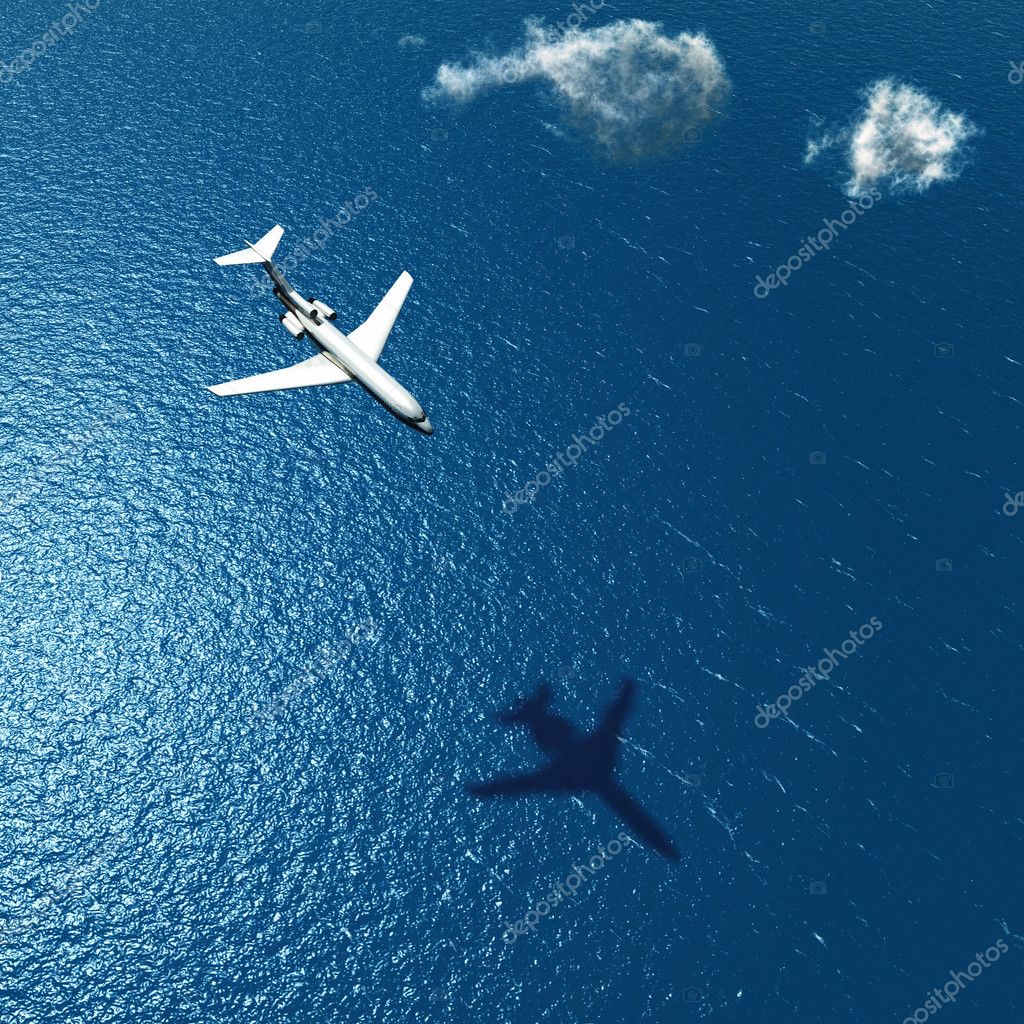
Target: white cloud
(411,41)
(635,89)
(902,138)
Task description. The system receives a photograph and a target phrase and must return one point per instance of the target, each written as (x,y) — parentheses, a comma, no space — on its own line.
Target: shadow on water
(578,762)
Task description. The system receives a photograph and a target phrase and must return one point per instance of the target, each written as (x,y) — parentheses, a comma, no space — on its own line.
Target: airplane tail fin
(260,252)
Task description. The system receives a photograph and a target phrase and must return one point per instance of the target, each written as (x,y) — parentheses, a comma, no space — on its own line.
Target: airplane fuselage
(345,354)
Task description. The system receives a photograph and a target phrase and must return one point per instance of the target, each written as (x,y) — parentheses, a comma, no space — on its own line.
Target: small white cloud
(902,139)
(635,89)
(411,41)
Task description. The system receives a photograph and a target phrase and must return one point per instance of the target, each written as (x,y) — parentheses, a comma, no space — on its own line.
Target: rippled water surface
(252,648)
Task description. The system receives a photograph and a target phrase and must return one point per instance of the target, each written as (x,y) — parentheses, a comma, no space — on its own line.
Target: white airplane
(341,357)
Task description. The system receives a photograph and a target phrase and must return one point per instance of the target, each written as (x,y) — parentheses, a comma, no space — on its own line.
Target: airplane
(578,763)
(341,357)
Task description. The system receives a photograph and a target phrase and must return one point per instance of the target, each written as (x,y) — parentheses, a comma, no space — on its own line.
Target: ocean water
(253,648)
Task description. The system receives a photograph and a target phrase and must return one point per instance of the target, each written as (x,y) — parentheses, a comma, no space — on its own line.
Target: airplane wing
(544,781)
(310,372)
(369,336)
(639,821)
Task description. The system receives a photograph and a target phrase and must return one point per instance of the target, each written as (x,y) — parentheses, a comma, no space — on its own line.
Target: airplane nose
(425,426)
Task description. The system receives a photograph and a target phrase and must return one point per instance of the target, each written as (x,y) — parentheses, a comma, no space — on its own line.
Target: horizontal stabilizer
(369,336)
(309,373)
(261,252)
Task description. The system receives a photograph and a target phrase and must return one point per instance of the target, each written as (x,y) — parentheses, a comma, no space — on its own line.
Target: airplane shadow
(578,762)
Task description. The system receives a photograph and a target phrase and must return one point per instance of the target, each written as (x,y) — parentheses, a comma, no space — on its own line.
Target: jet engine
(324,309)
(291,324)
